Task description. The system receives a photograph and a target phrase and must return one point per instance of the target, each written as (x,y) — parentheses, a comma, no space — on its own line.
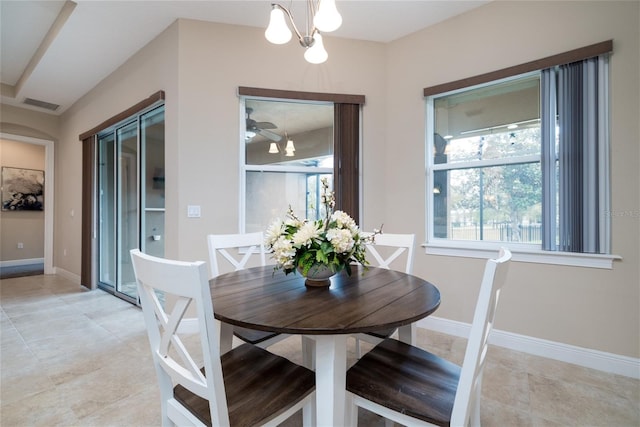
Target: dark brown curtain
(88,184)
(347,158)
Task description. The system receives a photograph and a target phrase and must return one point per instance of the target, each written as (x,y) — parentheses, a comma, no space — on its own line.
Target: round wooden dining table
(369,299)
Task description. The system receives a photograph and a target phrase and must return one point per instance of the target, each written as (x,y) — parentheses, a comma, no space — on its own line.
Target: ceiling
(57,51)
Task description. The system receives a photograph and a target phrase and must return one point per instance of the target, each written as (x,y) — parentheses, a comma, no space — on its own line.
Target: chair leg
(474,418)
(166,392)
(351,411)
(474,421)
(164,418)
(407,334)
(358,354)
(309,413)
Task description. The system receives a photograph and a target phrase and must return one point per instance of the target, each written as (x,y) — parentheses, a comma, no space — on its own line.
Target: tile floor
(71,357)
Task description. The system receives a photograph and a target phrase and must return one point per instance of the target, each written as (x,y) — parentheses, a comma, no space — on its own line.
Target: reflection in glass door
(131,198)
(127,206)
(152,183)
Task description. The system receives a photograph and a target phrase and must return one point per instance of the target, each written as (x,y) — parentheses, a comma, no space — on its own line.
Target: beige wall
(200,65)
(26,227)
(28,123)
(591,308)
(214,61)
(154,68)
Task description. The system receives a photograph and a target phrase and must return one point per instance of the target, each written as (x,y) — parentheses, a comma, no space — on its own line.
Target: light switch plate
(193,211)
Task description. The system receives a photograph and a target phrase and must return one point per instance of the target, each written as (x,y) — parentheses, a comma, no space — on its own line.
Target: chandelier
(289,149)
(322,15)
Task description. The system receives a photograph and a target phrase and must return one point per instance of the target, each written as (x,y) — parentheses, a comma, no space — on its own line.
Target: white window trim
(292,169)
(242,171)
(478,164)
(521,252)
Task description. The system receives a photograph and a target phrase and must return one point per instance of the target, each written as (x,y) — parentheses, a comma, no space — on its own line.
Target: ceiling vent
(41,104)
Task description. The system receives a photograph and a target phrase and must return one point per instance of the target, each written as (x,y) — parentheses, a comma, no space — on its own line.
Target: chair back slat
(245,247)
(468,393)
(404,244)
(170,340)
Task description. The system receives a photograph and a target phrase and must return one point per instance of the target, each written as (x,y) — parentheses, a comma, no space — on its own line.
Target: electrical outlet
(64,252)
(20,245)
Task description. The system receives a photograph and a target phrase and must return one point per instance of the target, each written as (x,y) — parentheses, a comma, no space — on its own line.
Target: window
(486,163)
(522,158)
(324,130)
(288,148)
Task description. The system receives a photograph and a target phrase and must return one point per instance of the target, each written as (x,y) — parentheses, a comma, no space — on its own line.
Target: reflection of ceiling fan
(260,128)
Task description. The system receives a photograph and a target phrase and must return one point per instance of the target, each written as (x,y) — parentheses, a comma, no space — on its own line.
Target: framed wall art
(22,189)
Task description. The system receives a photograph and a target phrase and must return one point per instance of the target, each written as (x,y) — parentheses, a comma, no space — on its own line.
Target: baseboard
(67,274)
(17,262)
(594,359)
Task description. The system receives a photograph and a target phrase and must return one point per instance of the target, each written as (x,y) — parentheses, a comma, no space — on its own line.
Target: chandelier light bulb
(273,148)
(327,18)
(277,32)
(316,54)
(289,149)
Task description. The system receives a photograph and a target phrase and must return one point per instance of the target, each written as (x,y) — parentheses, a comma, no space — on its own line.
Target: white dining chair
(244,387)
(390,251)
(411,386)
(237,251)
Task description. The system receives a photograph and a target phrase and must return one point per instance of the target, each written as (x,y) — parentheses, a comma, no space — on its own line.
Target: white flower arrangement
(335,241)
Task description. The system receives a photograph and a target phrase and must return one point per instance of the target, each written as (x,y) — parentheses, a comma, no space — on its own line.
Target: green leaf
(322,258)
(347,267)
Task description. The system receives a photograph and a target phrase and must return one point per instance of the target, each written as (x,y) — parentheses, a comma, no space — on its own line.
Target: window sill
(521,252)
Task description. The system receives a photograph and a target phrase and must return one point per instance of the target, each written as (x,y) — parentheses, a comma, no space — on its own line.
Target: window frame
(432,167)
(524,252)
(347,146)
(245,168)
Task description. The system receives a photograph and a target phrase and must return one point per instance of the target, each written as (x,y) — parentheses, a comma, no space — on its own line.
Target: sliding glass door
(131,198)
